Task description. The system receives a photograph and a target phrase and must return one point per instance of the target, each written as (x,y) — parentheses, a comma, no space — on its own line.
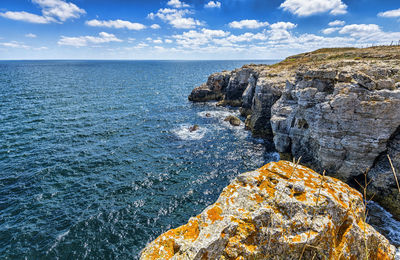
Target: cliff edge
(339,109)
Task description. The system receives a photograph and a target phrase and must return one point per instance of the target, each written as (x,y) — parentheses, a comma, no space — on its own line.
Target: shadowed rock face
(339,115)
(214,89)
(280,210)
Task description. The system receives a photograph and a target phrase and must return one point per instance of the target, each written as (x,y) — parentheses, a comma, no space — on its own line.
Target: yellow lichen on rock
(281,211)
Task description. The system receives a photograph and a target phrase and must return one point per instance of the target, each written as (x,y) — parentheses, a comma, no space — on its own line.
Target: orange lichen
(258,198)
(335,237)
(296,238)
(163,249)
(382,255)
(214,213)
(300,196)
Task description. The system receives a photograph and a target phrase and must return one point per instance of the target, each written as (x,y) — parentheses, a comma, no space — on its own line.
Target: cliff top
(322,56)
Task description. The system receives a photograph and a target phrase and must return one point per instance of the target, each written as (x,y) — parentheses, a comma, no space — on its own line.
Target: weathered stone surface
(277,212)
(341,127)
(338,114)
(240,80)
(233,120)
(268,90)
(214,89)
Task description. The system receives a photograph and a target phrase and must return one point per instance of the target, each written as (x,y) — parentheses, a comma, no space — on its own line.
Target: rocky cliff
(339,109)
(281,211)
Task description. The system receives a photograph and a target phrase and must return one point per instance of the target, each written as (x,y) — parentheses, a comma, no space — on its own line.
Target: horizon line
(141,59)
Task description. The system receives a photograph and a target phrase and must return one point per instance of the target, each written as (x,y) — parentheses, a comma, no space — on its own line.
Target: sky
(190,29)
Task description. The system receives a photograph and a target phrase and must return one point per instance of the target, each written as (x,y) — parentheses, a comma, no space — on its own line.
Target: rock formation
(214,89)
(280,211)
(233,120)
(339,109)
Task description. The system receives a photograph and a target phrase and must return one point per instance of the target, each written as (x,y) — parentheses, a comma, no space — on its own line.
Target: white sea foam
(390,226)
(220,114)
(183,132)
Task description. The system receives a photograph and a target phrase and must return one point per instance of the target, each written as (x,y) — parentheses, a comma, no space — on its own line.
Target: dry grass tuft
(394,172)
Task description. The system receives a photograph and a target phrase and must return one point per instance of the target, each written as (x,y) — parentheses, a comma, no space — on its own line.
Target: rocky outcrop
(337,109)
(336,121)
(268,90)
(280,211)
(239,81)
(233,120)
(214,89)
(344,121)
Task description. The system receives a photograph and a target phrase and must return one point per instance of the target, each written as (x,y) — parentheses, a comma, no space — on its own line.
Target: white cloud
(26,17)
(141,45)
(280,31)
(155,26)
(14,44)
(196,38)
(390,14)
(283,26)
(177,4)
(357,30)
(30,35)
(85,40)
(116,24)
(246,37)
(176,18)
(52,11)
(330,30)
(250,24)
(213,4)
(168,41)
(337,23)
(369,34)
(310,7)
(59,9)
(41,48)
(158,41)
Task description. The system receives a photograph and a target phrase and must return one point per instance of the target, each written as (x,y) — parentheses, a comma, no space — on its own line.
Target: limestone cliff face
(279,211)
(339,109)
(214,89)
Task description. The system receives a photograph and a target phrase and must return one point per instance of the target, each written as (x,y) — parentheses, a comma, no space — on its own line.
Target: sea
(97,160)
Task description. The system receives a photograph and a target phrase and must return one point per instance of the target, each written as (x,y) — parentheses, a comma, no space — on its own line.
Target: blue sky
(190,29)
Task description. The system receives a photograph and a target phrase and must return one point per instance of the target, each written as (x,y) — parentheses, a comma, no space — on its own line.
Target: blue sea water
(96,158)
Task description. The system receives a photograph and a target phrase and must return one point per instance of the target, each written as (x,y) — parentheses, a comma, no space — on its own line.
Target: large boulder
(280,211)
(233,120)
(214,89)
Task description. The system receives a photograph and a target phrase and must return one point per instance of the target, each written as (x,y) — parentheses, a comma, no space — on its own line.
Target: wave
(221,114)
(183,132)
(384,222)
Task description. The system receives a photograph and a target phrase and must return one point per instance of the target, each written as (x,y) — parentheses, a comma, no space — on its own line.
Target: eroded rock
(214,89)
(279,211)
(340,127)
(233,120)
